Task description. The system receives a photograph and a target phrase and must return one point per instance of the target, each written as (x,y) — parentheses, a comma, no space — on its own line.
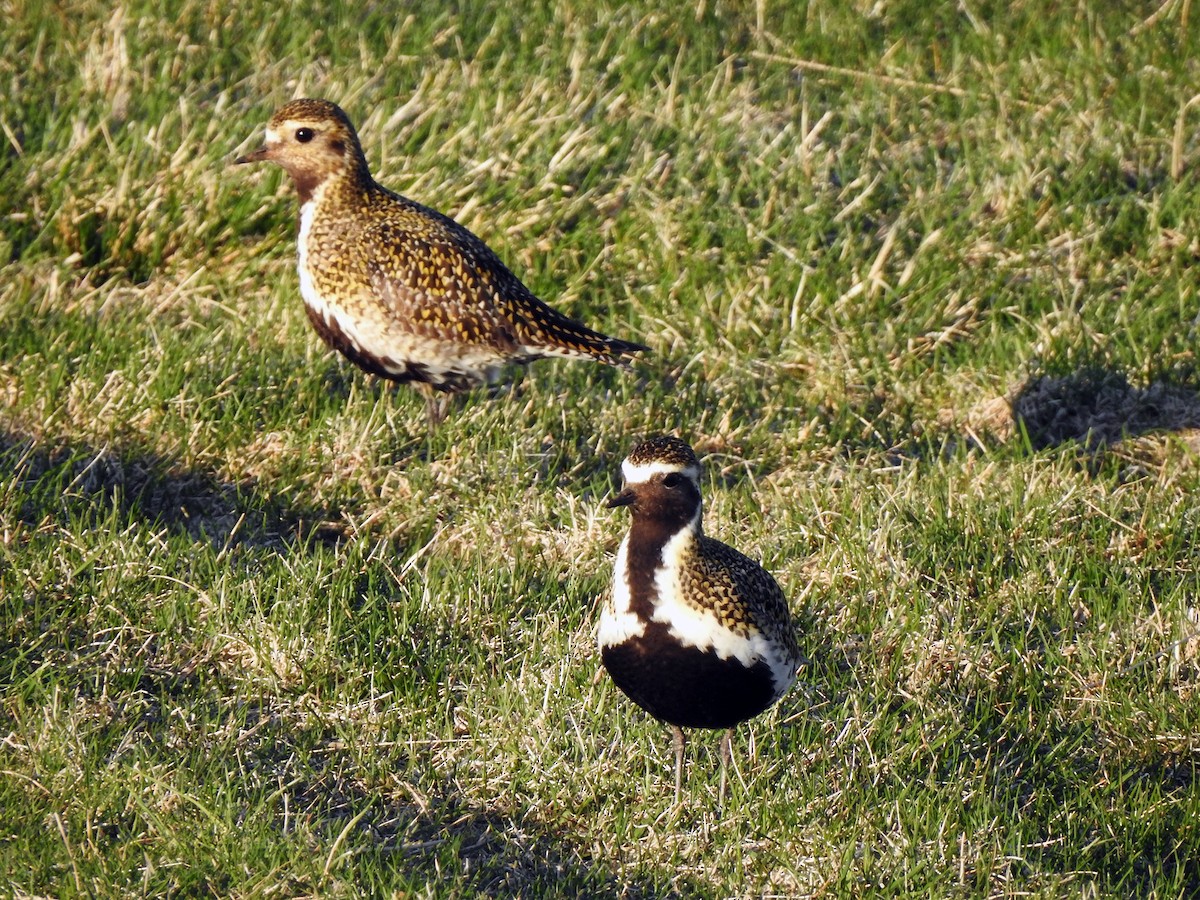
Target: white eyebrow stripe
(271,135)
(636,473)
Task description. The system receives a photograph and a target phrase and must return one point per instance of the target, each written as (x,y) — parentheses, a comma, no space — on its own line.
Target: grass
(920,285)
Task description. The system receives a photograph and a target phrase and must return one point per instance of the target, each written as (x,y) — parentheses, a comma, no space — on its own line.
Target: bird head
(662,482)
(313,140)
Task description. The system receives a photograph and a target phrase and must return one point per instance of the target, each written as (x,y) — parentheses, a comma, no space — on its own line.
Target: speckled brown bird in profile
(696,634)
(405,292)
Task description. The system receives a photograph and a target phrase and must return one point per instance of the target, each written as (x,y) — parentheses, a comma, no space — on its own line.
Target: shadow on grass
(80,481)
(1096,407)
(295,782)
(467,848)
(436,837)
(1091,408)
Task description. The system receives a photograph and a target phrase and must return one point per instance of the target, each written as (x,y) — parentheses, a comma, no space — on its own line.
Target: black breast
(686,686)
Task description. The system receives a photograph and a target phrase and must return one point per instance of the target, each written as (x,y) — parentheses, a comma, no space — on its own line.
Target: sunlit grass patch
(919,283)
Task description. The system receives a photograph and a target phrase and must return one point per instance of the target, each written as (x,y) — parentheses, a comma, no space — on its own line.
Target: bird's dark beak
(257,156)
(622,499)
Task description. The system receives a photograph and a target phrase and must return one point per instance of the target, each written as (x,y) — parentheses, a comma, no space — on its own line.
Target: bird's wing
(439,275)
(731,574)
(438,286)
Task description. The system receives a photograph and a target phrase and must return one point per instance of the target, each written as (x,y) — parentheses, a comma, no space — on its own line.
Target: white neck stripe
(636,473)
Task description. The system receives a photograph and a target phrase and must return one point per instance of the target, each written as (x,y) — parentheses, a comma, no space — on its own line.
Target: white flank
(637,473)
(783,672)
(617,623)
(689,625)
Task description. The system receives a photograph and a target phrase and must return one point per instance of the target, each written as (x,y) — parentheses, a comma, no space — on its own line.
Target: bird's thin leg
(726,756)
(677,734)
(435,406)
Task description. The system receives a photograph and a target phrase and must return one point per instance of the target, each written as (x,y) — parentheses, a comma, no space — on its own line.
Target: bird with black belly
(695,633)
(403,291)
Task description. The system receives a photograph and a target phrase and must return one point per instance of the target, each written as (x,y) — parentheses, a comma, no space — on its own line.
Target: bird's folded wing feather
(741,576)
(436,286)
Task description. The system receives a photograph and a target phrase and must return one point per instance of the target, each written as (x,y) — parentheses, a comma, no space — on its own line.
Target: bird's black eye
(304,135)
(672,479)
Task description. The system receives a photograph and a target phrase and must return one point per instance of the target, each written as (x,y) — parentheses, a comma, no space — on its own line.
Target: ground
(919,284)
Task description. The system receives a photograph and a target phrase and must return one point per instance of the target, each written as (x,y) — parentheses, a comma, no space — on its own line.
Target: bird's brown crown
(665,450)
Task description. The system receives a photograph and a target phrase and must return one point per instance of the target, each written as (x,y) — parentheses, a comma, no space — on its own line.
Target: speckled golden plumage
(696,633)
(402,290)
(736,591)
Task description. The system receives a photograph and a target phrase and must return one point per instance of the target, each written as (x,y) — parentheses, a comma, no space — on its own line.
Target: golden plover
(403,291)
(695,633)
